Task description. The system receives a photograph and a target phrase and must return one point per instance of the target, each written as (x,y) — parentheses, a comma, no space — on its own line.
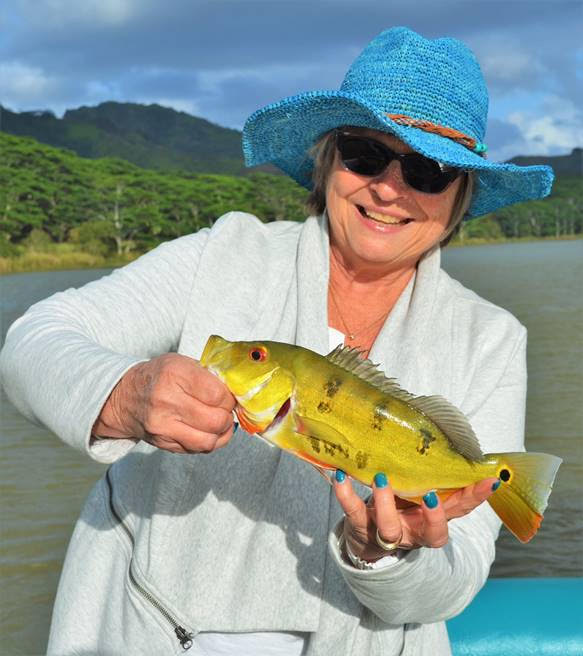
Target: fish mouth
(213,347)
(382,218)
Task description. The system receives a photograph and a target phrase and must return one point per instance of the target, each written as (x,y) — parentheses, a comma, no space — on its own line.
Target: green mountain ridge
(149,136)
(571,164)
(162,138)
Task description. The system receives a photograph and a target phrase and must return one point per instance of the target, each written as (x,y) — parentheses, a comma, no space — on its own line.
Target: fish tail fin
(526,481)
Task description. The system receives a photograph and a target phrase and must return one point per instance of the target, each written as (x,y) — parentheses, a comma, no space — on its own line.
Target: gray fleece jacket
(246,539)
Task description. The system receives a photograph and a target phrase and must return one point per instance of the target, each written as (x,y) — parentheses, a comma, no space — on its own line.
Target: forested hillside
(150,136)
(109,205)
(52,201)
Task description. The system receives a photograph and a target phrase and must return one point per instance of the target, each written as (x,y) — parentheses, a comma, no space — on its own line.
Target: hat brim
(282,133)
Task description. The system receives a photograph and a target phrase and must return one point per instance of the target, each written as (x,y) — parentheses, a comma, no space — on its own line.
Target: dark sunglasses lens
(360,156)
(365,157)
(424,174)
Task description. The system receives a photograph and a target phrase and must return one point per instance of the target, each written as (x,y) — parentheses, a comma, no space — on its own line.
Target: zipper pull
(184,637)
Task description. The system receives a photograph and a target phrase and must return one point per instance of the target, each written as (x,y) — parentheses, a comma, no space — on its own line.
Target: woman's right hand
(171,402)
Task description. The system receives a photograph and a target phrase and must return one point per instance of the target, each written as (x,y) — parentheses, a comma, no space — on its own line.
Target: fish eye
(258,353)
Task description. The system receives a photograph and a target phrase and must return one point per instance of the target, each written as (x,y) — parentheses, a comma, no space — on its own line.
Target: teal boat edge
(522,617)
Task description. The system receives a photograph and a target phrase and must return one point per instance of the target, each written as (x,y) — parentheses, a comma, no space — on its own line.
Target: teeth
(383,218)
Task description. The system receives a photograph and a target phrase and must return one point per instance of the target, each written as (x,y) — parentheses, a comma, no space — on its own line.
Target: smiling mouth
(382,218)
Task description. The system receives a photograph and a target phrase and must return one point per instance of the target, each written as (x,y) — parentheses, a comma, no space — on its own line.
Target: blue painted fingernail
(340,476)
(431,500)
(380,480)
(495,485)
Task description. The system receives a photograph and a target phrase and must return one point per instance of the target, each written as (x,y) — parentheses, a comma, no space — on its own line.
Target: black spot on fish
(315,444)
(380,413)
(426,439)
(329,448)
(332,386)
(504,475)
(361,459)
(324,407)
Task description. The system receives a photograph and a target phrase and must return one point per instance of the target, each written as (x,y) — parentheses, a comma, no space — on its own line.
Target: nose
(389,184)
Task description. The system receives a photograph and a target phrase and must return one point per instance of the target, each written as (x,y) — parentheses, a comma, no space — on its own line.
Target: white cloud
(558,129)
(22,85)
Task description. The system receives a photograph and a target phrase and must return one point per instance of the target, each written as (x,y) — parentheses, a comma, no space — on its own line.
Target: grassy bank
(62,256)
(56,261)
(480,241)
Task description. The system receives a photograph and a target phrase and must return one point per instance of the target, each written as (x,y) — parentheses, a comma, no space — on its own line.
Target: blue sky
(222,59)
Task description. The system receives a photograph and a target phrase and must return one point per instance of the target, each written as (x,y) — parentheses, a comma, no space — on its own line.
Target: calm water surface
(43,483)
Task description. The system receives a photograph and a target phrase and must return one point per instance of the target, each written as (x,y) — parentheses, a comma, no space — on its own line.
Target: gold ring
(388,546)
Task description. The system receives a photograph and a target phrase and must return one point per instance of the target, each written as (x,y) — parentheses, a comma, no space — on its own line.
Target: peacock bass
(341,412)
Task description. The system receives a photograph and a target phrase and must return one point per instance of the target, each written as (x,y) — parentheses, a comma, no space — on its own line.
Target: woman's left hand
(411,525)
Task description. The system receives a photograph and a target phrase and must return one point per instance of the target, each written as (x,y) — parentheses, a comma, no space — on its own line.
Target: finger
(205,443)
(387,518)
(225,438)
(165,443)
(191,439)
(209,419)
(352,505)
(435,533)
(468,498)
(209,389)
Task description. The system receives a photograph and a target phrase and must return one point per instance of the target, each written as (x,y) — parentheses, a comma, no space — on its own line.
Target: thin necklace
(352,335)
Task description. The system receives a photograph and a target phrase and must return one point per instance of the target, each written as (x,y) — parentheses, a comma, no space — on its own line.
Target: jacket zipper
(184,637)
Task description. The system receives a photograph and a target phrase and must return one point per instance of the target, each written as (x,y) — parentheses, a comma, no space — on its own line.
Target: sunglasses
(369,157)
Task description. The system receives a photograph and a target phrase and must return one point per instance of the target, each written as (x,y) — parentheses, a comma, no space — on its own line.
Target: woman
(184,544)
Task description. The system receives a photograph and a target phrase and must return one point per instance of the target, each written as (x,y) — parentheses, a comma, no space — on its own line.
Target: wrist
(112,420)
(365,564)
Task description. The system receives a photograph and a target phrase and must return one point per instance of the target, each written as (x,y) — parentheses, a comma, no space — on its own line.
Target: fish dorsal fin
(453,424)
(353,360)
(441,412)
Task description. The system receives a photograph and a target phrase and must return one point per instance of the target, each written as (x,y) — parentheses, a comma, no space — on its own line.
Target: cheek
(439,208)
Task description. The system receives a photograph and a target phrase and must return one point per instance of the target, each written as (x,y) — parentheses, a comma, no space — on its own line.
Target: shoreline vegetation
(61,211)
(62,259)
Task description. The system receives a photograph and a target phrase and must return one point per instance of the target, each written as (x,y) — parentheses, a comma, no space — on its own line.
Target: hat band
(448,133)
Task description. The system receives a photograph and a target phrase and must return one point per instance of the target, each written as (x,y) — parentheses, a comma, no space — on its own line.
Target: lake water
(43,482)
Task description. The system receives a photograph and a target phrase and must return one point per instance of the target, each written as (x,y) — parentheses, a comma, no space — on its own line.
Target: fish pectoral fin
(320,439)
(314,429)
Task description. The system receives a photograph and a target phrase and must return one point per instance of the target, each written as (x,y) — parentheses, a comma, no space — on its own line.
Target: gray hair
(323,153)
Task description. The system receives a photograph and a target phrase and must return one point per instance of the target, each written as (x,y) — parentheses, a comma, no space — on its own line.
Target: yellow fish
(341,412)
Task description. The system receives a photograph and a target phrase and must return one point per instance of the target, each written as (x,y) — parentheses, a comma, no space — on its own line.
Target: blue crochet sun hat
(429,93)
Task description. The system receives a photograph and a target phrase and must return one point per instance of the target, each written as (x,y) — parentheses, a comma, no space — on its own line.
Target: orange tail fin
(526,483)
